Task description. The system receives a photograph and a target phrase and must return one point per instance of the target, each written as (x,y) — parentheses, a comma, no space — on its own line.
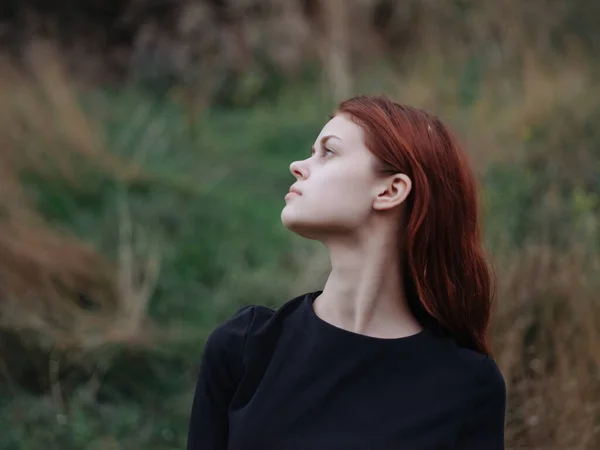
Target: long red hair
(447,279)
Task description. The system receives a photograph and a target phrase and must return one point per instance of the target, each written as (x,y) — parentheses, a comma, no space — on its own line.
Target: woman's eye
(327,152)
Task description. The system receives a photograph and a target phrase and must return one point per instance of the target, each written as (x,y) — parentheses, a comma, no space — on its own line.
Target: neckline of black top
(358,338)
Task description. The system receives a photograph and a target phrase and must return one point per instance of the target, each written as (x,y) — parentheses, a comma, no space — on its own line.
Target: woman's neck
(364,292)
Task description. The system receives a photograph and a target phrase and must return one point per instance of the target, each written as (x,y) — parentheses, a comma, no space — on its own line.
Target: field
(133,220)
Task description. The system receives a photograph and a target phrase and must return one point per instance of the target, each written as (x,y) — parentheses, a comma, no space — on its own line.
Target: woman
(393,353)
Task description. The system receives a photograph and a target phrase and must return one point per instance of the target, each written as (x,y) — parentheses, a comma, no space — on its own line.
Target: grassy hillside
(132,225)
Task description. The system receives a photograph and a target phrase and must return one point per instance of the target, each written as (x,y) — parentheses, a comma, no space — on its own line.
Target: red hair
(447,279)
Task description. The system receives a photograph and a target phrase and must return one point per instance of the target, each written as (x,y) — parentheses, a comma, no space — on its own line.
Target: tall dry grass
(61,300)
(206,43)
(546,336)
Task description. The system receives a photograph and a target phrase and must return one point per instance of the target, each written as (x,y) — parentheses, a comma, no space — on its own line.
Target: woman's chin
(300,227)
(290,220)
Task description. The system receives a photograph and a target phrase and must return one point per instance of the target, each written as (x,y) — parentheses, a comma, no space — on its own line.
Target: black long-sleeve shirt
(285,379)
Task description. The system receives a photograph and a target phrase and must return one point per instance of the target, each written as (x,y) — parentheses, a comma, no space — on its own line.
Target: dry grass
(545,336)
(59,295)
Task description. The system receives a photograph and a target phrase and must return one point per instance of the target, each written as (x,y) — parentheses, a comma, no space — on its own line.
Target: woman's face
(335,187)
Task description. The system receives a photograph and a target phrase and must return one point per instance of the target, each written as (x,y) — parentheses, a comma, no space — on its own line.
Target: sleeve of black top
(220,371)
(484,426)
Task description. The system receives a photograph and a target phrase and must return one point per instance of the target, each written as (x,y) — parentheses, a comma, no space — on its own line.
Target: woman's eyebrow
(325,138)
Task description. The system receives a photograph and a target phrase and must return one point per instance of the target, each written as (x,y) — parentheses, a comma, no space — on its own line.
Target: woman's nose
(298,170)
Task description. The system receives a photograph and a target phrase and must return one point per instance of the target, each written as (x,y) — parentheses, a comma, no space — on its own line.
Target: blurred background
(144,153)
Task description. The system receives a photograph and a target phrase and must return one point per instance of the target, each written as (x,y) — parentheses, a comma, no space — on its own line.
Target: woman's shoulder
(482,375)
(483,367)
(475,372)
(488,381)
(232,334)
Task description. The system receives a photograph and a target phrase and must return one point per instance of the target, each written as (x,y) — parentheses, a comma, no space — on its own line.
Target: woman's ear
(392,191)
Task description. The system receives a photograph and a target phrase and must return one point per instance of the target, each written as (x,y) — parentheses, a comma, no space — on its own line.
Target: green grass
(213,206)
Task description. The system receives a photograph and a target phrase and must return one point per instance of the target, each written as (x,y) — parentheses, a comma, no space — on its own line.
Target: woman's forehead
(344,129)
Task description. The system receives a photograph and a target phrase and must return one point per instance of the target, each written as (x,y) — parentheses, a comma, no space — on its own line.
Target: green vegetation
(209,202)
(134,219)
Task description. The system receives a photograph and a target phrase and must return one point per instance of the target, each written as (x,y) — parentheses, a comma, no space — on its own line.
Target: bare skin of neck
(364,292)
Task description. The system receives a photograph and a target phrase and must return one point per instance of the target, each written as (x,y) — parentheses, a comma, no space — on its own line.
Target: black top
(286,379)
